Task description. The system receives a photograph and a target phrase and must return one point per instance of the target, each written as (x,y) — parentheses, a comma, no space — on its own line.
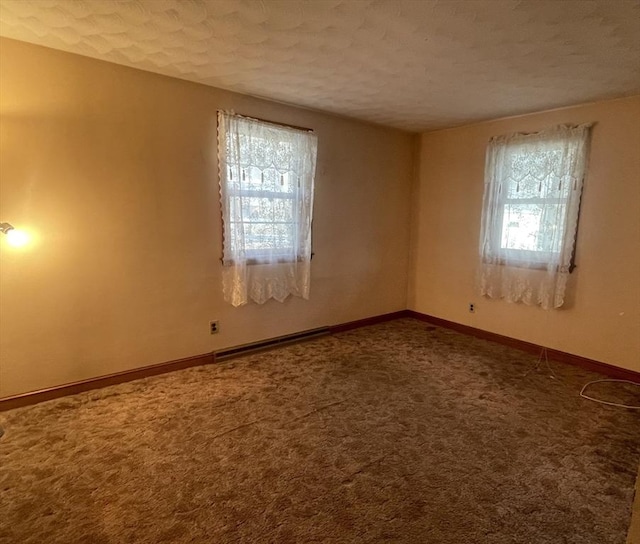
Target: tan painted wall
(114,172)
(602,318)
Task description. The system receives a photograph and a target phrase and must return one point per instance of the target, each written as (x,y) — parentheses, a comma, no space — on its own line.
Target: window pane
(263,210)
(533,227)
(268,236)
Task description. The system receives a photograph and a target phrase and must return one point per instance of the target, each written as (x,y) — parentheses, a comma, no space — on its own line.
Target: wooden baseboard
(342,327)
(34,397)
(560,356)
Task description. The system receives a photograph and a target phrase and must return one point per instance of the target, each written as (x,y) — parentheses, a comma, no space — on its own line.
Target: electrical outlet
(214,327)
(472,308)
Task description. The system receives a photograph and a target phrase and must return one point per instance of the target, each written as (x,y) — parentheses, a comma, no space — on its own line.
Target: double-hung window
(533,187)
(266,187)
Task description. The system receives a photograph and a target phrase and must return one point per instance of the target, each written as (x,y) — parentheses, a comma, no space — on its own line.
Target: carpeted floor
(400,432)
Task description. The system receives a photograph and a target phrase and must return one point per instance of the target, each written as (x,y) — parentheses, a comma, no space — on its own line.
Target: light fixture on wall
(15,237)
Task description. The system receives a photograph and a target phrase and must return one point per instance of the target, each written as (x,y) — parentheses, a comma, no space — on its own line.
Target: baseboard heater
(244,349)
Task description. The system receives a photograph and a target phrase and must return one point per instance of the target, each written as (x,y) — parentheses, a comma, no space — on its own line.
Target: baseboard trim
(343,327)
(557,355)
(51,393)
(35,397)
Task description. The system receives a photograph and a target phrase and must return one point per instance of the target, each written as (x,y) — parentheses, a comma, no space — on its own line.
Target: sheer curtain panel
(533,186)
(266,176)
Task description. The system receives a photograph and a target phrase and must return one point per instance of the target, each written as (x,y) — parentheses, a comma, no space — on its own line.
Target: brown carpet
(400,432)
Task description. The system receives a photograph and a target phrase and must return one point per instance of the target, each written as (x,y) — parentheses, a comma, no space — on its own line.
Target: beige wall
(602,318)
(113,170)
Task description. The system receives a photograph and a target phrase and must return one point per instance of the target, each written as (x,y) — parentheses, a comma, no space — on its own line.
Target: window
(533,186)
(266,187)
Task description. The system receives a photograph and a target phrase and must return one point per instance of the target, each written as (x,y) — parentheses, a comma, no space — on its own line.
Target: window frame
(525,258)
(259,256)
(296,252)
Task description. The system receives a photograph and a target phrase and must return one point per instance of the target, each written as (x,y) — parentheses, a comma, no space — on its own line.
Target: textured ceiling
(415,65)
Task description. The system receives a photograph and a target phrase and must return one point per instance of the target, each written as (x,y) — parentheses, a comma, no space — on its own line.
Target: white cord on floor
(582,394)
(543,357)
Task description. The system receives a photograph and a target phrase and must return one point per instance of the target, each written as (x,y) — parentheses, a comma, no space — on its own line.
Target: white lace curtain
(533,185)
(266,190)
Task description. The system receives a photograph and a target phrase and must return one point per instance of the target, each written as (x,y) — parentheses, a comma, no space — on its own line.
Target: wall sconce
(15,237)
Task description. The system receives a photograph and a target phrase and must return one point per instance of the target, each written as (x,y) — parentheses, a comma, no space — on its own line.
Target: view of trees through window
(532,227)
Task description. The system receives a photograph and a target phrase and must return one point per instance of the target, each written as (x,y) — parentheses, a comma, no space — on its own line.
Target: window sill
(524,264)
(255,261)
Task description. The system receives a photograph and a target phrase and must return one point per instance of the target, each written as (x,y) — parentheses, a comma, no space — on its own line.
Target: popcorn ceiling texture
(402,433)
(408,64)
